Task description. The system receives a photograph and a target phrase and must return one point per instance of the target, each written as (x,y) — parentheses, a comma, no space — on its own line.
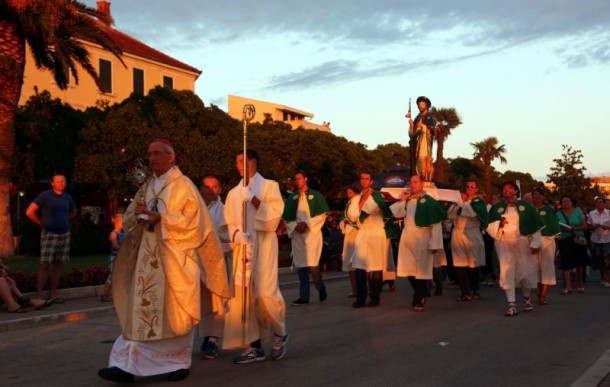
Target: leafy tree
(447,119)
(569,178)
(460,170)
(47,133)
(392,154)
(52,29)
(487,151)
(112,146)
(206,141)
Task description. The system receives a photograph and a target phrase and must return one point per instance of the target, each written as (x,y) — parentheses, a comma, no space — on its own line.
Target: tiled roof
(135,47)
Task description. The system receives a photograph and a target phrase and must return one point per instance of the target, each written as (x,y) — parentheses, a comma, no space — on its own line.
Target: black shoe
(323,295)
(176,376)
(299,302)
(115,374)
(358,304)
(209,349)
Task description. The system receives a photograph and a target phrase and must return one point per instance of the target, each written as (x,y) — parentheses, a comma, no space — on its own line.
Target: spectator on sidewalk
(573,255)
(599,224)
(10,294)
(52,210)
(116,239)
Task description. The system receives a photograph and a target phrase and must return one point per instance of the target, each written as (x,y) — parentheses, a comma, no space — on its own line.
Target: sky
(535,74)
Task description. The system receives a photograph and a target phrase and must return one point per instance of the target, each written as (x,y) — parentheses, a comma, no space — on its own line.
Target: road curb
(55,318)
(94,292)
(597,375)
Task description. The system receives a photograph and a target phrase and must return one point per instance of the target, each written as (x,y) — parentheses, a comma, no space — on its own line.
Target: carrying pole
(248,114)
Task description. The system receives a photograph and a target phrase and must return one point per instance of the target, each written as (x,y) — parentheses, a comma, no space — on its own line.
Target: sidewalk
(84,303)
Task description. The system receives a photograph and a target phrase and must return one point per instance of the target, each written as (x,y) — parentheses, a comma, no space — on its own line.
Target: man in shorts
(52,210)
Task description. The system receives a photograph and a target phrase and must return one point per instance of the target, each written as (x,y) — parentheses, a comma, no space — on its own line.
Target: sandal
(542,300)
(45,304)
(21,309)
(528,307)
(463,298)
(476,296)
(511,311)
(566,292)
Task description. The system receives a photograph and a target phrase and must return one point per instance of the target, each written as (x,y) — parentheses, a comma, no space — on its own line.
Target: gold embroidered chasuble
(157,275)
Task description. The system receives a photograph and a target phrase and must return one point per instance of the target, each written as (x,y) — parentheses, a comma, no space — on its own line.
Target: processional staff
(248,114)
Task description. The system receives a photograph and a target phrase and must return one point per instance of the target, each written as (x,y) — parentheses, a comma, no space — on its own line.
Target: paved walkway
(84,303)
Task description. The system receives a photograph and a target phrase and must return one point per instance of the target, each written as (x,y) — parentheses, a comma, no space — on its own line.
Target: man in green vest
(515,225)
(305,212)
(467,246)
(421,238)
(374,223)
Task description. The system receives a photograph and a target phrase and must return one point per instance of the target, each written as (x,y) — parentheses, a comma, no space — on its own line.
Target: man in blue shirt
(52,210)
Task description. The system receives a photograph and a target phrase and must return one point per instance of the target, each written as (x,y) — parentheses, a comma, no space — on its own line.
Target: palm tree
(447,119)
(52,29)
(487,151)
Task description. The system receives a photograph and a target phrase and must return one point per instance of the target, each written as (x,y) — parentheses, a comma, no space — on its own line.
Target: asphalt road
(332,344)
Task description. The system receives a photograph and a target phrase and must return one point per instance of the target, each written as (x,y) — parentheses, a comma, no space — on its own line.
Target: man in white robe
(515,225)
(369,215)
(169,249)
(211,325)
(467,247)
(421,238)
(257,245)
(349,235)
(305,212)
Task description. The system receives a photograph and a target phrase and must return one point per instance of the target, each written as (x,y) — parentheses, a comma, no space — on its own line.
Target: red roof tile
(135,47)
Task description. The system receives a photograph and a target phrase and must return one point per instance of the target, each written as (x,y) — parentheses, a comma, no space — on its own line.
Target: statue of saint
(422,131)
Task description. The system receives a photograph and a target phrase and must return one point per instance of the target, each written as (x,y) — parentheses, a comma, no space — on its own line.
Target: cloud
(342,71)
(590,49)
(361,22)
(383,27)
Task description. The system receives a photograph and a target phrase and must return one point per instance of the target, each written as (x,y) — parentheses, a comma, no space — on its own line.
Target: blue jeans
(316,276)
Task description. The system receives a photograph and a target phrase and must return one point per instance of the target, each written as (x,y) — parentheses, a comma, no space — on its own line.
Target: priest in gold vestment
(170,249)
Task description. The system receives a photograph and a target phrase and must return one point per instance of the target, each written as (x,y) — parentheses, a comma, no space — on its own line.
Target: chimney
(103,6)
